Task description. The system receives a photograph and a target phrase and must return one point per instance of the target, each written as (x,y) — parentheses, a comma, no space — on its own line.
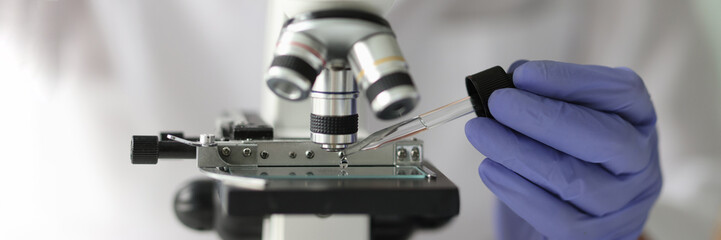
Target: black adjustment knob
(144,150)
(482,84)
(194,205)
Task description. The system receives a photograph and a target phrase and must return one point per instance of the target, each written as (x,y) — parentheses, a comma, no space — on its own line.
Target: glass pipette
(479,86)
(413,126)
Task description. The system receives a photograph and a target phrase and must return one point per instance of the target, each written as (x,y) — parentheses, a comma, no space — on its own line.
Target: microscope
(281,174)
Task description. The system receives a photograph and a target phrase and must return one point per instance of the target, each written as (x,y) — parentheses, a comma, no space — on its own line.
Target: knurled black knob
(144,150)
(482,84)
(195,207)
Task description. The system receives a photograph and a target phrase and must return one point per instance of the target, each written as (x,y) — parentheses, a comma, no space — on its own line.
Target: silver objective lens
(382,72)
(334,120)
(297,62)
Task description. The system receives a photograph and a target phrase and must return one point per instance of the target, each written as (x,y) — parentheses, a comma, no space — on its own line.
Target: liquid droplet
(344,163)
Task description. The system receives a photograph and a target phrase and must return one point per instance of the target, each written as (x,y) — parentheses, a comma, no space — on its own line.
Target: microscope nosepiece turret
(331,55)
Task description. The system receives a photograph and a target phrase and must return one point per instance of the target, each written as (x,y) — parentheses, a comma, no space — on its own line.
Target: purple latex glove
(572,152)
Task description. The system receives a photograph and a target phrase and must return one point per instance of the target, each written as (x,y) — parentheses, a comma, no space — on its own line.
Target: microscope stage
(432,197)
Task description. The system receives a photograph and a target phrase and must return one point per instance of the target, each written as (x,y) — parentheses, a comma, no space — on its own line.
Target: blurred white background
(80,77)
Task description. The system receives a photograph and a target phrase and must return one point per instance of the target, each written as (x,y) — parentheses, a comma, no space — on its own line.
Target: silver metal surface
(336,78)
(287,83)
(430,174)
(402,148)
(334,104)
(329,102)
(329,172)
(385,99)
(235,180)
(415,154)
(243,171)
(338,34)
(378,56)
(225,151)
(402,154)
(333,147)
(303,46)
(277,154)
(333,142)
(334,95)
(207,140)
(375,57)
(315,41)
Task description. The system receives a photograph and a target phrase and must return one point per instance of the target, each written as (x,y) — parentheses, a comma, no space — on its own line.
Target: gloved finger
(554,218)
(546,213)
(584,133)
(508,225)
(587,186)
(515,65)
(617,90)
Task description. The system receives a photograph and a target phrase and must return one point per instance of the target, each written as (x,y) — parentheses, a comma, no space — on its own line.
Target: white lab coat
(94,73)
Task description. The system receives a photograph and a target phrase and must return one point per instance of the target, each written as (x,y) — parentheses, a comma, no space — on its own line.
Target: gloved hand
(572,152)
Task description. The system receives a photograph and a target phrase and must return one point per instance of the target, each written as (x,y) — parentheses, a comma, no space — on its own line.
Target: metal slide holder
(268,158)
